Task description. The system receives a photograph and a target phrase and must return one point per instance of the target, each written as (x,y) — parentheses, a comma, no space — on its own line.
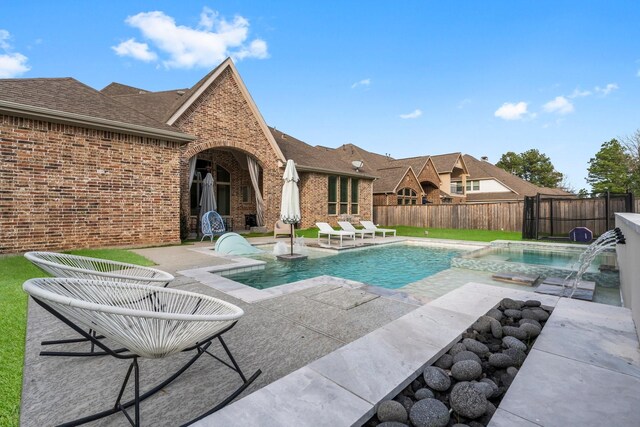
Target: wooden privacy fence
(485,216)
(508,216)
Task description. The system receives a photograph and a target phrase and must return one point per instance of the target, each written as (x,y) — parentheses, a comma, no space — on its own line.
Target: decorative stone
(495,313)
(475,346)
(444,362)
(466,370)
(429,413)
(436,378)
(457,348)
(501,360)
(513,342)
(485,388)
(535,313)
(390,410)
(465,355)
(532,303)
(514,314)
(512,371)
(417,384)
(424,393)
(482,325)
(392,424)
(530,330)
(512,331)
(517,355)
(508,303)
(405,401)
(496,328)
(467,401)
(531,321)
(493,385)
(491,409)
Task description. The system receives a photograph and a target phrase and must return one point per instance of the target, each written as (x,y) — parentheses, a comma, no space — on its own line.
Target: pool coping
(345,386)
(215,276)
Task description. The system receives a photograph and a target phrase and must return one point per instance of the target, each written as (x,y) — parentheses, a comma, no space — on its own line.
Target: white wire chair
(149,321)
(83,267)
(211,225)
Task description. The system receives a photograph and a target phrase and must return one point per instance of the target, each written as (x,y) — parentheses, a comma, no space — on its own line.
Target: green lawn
(14,271)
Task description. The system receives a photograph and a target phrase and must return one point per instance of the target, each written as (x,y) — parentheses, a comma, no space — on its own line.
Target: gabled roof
(115,89)
(479,169)
(390,178)
(68,100)
(445,163)
(155,104)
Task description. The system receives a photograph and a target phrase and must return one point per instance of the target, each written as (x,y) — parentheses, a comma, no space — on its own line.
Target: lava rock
(496,328)
(491,409)
(531,321)
(512,371)
(513,342)
(535,313)
(466,370)
(512,331)
(475,346)
(436,378)
(485,388)
(532,303)
(465,355)
(517,355)
(493,386)
(482,325)
(417,384)
(424,393)
(392,424)
(429,413)
(475,424)
(405,401)
(506,379)
(467,401)
(495,313)
(457,348)
(514,314)
(508,303)
(390,410)
(444,362)
(501,360)
(530,330)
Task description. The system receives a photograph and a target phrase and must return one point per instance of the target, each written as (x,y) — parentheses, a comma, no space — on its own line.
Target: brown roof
(155,104)
(71,96)
(318,158)
(445,162)
(114,89)
(479,169)
(389,179)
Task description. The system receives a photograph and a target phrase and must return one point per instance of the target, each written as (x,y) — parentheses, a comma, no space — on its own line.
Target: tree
(632,146)
(610,169)
(532,166)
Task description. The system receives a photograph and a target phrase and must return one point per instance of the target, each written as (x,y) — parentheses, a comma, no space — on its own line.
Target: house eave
(303,168)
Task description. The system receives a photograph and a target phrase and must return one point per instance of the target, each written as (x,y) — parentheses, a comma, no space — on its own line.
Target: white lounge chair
(326,229)
(369,225)
(281,229)
(148,321)
(347,226)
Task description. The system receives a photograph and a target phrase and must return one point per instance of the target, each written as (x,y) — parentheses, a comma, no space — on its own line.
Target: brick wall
(221,118)
(64,187)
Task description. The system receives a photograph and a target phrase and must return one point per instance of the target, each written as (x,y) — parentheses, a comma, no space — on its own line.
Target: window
(223,190)
(333,194)
(473,185)
(354,196)
(407,196)
(456,187)
(202,167)
(343,195)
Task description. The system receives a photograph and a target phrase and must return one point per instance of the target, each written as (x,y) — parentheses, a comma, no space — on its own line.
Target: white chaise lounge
(327,230)
(369,225)
(347,226)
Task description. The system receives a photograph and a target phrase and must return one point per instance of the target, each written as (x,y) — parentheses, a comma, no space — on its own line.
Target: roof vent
(484,158)
(284,136)
(357,164)
(180,92)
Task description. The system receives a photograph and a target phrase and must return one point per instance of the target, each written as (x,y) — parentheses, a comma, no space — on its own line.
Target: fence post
(606,210)
(537,215)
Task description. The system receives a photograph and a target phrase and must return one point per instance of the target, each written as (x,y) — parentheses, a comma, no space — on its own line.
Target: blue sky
(405,78)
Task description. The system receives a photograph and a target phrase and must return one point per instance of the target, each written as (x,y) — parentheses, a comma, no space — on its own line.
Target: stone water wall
(628,260)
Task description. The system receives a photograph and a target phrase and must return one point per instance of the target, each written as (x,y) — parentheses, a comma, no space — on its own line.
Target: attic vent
(140,92)
(284,136)
(180,92)
(484,158)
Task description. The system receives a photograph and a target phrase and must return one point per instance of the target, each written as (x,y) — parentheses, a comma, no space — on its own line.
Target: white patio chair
(327,230)
(211,225)
(82,267)
(369,225)
(150,322)
(347,226)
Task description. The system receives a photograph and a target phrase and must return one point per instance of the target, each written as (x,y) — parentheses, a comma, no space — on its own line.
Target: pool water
(524,256)
(390,266)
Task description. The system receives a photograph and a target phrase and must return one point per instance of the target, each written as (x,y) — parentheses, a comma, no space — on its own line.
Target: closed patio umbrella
(290,204)
(208,198)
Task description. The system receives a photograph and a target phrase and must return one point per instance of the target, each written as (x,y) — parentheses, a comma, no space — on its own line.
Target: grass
(13,322)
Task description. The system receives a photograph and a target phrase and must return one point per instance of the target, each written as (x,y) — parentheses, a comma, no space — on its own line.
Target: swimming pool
(388,266)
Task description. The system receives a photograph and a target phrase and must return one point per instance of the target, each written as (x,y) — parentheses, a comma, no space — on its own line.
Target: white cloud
(12,64)
(604,91)
(412,115)
(363,82)
(135,50)
(560,105)
(511,111)
(638,73)
(577,93)
(211,42)
(464,103)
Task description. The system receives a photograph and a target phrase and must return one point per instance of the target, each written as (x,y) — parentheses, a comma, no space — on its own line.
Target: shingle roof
(389,178)
(445,162)
(114,89)
(71,96)
(479,169)
(154,104)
